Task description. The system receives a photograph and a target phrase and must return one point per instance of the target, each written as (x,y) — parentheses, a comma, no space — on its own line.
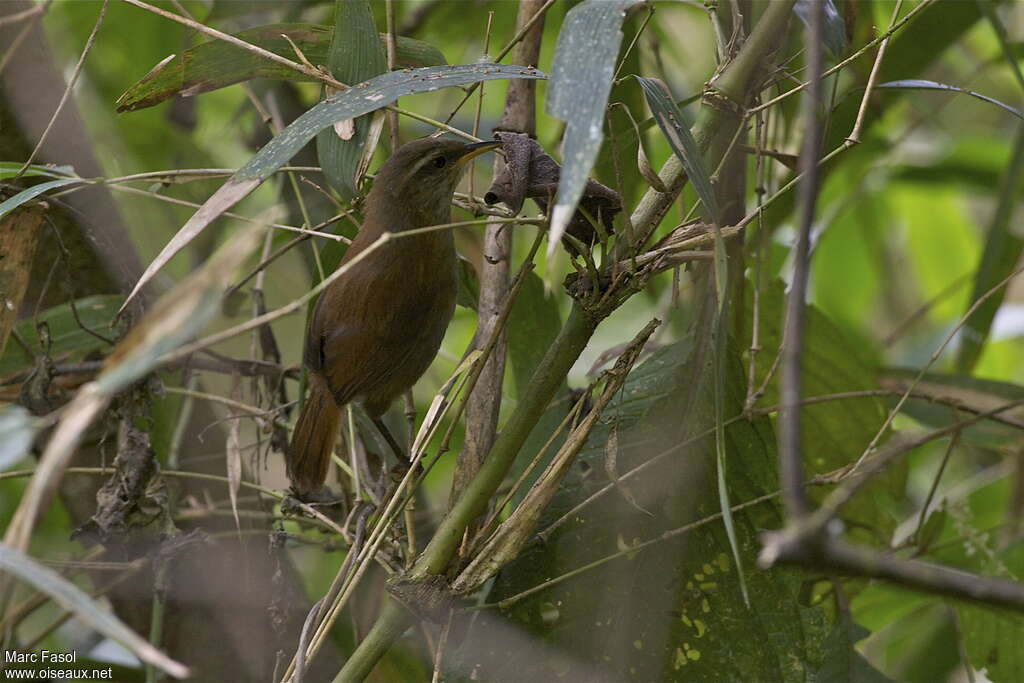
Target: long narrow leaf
(361,99)
(73,599)
(31,193)
(216,64)
(8,169)
(581,79)
(918,84)
(673,125)
(355,56)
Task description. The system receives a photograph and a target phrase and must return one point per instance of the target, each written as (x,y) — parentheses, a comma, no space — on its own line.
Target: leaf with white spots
(581,79)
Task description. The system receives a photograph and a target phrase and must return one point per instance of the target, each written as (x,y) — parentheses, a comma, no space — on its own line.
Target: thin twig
(389,13)
(12,48)
(23,14)
(854,137)
(790,447)
(931,360)
(67,91)
(855,56)
(501,55)
(300,303)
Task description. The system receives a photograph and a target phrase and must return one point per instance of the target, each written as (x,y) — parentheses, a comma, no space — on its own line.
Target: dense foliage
(631,519)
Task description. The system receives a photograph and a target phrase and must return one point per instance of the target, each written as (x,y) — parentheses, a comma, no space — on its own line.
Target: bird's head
(422,175)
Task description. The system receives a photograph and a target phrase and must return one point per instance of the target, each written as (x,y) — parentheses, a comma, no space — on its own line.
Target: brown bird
(376,329)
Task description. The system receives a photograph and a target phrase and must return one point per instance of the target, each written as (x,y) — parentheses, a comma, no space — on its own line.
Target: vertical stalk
(790,451)
(737,82)
(394,619)
(483,408)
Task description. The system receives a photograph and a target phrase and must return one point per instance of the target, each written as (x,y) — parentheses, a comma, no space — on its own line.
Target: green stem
(542,388)
(550,374)
(735,81)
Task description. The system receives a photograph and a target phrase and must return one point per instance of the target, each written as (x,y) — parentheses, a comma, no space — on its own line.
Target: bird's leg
(402,456)
(410,414)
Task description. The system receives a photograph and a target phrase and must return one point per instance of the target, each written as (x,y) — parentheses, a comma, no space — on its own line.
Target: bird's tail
(309,455)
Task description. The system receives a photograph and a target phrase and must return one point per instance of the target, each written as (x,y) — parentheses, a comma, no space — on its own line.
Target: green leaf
(843,664)
(992,636)
(993,640)
(919,646)
(974,162)
(361,99)
(31,193)
(17,430)
(66,337)
(533,325)
(677,132)
(468,295)
(943,245)
(581,79)
(8,169)
(73,599)
(999,259)
(355,56)
(834,433)
(216,64)
(672,611)
(919,84)
(624,142)
(939,25)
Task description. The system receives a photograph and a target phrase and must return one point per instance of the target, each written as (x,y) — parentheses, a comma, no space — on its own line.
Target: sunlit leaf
(1003,247)
(361,99)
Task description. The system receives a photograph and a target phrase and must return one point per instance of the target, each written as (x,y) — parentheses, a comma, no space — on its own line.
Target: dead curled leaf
(611,455)
(530,173)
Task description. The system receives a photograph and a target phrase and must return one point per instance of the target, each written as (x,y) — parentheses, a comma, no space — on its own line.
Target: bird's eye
(440,162)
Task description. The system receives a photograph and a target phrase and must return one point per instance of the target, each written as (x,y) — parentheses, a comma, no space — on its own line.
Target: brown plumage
(376,329)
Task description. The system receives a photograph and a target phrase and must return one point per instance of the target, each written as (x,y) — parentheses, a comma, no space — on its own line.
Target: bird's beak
(475,149)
